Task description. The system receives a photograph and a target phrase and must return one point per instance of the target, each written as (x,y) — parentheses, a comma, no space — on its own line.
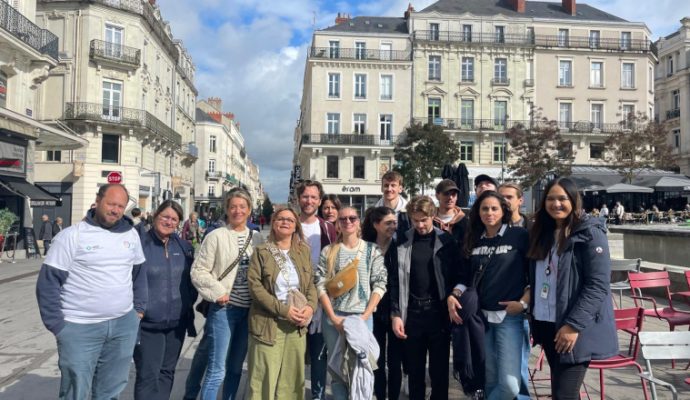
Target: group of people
(48,231)
(369,298)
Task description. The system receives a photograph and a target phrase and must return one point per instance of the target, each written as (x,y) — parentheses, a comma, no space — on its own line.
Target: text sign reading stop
(114,177)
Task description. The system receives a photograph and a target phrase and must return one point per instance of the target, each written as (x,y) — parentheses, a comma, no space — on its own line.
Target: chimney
(409,11)
(569,6)
(342,17)
(216,103)
(216,116)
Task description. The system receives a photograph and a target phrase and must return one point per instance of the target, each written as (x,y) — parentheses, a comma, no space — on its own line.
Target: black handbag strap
(239,257)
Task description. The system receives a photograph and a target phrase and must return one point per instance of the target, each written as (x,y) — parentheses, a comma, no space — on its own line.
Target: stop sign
(114,177)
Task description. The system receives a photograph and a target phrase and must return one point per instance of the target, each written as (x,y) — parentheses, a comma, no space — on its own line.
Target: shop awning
(672,184)
(38,197)
(625,188)
(47,137)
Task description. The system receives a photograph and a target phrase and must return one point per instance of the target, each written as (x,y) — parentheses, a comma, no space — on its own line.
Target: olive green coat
(266,309)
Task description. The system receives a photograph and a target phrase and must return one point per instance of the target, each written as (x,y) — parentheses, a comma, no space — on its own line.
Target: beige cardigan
(218,250)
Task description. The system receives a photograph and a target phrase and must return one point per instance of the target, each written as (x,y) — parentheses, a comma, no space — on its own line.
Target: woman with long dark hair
(330,205)
(380,225)
(570,273)
(498,270)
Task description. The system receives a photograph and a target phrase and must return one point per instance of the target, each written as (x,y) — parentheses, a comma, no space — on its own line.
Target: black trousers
(46,246)
(391,356)
(427,330)
(155,358)
(566,379)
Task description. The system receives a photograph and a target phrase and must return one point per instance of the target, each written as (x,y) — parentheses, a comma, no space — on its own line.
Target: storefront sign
(3,89)
(351,189)
(12,158)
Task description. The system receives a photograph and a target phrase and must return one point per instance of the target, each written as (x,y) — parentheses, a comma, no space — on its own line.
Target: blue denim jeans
(330,335)
(319,365)
(503,343)
(526,349)
(192,385)
(108,345)
(228,332)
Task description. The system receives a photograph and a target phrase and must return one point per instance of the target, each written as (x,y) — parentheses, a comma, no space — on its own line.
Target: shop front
(359,196)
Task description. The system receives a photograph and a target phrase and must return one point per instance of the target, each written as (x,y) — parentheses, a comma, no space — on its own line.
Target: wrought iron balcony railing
(191,150)
(499,125)
(122,116)
(502,81)
(22,28)
(214,175)
(115,52)
(528,40)
(349,139)
(675,113)
(360,54)
(529,82)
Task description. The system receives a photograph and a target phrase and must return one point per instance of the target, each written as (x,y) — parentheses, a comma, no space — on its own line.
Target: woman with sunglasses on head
(380,225)
(171,295)
(498,271)
(570,273)
(220,275)
(279,272)
(330,205)
(362,298)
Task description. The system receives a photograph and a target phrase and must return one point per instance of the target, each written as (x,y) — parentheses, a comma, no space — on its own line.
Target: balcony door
(112,100)
(113,41)
(386,51)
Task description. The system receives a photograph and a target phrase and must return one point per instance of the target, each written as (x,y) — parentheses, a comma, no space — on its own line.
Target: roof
(591,178)
(389,25)
(533,9)
(201,116)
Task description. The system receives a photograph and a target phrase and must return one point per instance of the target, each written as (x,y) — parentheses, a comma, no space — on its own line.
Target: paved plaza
(28,358)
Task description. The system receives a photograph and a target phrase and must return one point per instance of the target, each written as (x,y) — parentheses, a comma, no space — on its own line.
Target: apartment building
(27,55)
(480,67)
(355,105)
(125,85)
(223,162)
(672,94)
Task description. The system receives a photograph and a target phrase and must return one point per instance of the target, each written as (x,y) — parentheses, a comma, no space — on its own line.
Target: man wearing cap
(449,217)
(483,183)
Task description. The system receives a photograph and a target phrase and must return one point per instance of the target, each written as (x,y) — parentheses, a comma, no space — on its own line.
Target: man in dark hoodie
(91,294)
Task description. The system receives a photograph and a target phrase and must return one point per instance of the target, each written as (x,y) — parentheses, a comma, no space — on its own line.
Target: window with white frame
(334,49)
(594,38)
(675,99)
(565,114)
(386,51)
(596,74)
(360,86)
(212,166)
(466,151)
(112,100)
(211,190)
(669,65)
(467,33)
(467,113)
(359,124)
(650,78)
(500,34)
(434,31)
(565,73)
(114,39)
(467,74)
(626,40)
(676,138)
(434,110)
(499,152)
(333,123)
(500,113)
(501,70)
(332,166)
(386,92)
(628,112)
(358,167)
(54,155)
(628,75)
(212,143)
(563,37)
(597,115)
(385,127)
(360,50)
(434,68)
(333,85)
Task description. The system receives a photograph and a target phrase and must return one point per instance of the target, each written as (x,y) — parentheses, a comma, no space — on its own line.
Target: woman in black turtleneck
(426,262)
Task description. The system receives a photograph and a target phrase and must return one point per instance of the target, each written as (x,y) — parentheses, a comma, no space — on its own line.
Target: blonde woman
(220,275)
(278,326)
(361,299)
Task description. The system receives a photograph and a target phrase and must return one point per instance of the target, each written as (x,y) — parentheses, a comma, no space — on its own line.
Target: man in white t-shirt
(319,234)
(91,294)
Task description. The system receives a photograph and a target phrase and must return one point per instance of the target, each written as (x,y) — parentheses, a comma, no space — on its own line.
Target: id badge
(544,293)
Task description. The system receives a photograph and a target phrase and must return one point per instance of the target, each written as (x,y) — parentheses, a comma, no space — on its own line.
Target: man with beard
(91,294)
(449,217)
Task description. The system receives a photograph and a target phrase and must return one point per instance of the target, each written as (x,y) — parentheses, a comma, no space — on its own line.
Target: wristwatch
(525,306)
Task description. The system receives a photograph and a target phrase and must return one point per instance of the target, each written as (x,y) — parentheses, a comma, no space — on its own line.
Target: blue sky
(251,53)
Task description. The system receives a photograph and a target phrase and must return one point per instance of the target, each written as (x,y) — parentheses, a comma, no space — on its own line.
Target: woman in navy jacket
(169,314)
(572,310)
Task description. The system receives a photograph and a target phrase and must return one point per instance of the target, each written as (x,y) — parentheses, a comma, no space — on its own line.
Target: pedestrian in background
(330,205)
(57,226)
(220,275)
(169,314)
(46,233)
(89,291)
(570,274)
(191,230)
(284,299)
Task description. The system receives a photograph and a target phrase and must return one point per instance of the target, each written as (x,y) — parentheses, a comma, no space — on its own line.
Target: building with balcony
(480,67)
(355,104)
(223,162)
(672,96)
(124,84)
(28,53)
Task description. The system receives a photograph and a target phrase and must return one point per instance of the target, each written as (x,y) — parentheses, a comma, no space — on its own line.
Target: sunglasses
(351,218)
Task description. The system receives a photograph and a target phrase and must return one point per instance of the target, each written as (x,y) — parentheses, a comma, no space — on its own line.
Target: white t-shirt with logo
(99,262)
(312,233)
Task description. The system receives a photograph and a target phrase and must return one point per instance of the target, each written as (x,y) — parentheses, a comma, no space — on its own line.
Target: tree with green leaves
(267,208)
(421,153)
(538,149)
(641,143)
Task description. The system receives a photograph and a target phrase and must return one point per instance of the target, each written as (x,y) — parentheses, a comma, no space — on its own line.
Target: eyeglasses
(286,219)
(351,218)
(169,219)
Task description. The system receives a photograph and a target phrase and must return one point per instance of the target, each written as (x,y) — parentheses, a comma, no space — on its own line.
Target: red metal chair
(648,280)
(626,319)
